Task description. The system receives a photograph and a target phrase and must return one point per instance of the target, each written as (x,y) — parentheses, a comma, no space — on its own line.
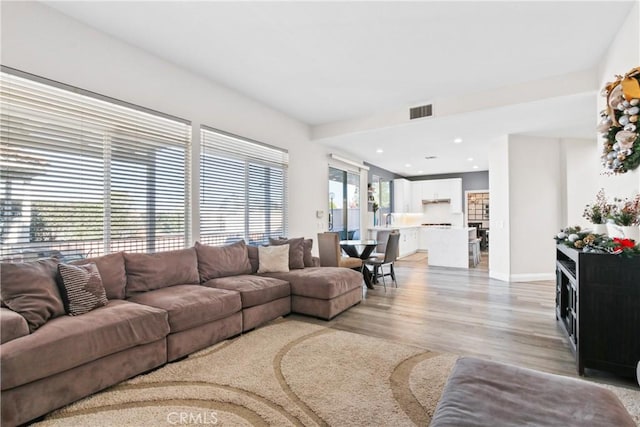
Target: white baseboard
(499,276)
(532,277)
(522,277)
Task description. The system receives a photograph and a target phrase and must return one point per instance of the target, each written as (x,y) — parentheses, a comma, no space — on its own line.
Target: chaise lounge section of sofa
(161,307)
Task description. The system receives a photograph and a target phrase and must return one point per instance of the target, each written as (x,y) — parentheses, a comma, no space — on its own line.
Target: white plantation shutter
(83,174)
(243,189)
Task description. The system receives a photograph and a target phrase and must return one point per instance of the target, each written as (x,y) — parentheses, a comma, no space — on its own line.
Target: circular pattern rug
(288,373)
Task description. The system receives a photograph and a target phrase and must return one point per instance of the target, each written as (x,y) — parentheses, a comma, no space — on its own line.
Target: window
(344,203)
(243,189)
(83,175)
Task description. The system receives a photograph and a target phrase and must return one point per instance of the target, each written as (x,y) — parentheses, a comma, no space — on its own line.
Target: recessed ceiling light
(379,151)
(475,166)
(470,159)
(407,165)
(457,140)
(420,171)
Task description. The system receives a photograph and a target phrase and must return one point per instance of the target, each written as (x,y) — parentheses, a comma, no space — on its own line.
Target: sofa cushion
(485,393)
(321,282)
(81,288)
(296,251)
(273,259)
(29,288)
(12,325)
(146,272)
(253,252)
(254,290)
(308,256)
(222,261)
(191,305)
(112,271)
(70,341)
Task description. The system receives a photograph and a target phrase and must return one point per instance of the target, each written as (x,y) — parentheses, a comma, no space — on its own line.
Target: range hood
(434,201)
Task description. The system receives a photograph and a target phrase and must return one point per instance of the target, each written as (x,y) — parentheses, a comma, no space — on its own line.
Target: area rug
(288,373)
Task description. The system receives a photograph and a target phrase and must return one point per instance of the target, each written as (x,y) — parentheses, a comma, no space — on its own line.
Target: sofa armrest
(12,325)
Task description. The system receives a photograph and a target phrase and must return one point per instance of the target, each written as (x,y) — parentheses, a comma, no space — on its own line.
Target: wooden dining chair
(331,254)
(389,258)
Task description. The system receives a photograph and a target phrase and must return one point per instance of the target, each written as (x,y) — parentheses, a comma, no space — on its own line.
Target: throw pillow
(296,251)
(112,272)
(273,259)
(146,272)
(29,289)
(222,261)
(81,288)
(308,256)
(253,258)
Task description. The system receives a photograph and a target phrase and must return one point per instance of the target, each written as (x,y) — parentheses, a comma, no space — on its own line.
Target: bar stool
(474,251)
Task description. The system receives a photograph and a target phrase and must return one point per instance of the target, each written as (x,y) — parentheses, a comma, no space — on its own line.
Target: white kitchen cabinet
(422,239)
(434,189)
(437,189)
(402,195)
(456,195)
(416,197)
(408,241)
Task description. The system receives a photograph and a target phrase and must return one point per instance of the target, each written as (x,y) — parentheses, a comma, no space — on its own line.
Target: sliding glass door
(344,203)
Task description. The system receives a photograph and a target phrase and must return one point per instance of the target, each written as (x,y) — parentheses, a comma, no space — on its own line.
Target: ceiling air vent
(421,111)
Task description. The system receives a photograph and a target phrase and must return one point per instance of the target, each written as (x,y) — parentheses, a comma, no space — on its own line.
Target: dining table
(361,249)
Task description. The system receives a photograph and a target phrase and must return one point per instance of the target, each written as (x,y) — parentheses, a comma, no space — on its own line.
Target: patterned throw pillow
(81,288)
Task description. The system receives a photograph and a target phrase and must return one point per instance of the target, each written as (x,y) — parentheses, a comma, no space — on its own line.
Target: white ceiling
(324,62)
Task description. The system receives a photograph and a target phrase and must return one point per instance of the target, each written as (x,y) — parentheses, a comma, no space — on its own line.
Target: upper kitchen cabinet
(417,191)
(438,191)
(410,196)
(402,195)
(456,195)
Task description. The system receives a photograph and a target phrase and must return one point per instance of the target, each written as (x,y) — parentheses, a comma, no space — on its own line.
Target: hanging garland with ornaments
(620,126)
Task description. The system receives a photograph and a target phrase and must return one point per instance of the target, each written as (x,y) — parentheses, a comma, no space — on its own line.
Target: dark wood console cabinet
(598,305)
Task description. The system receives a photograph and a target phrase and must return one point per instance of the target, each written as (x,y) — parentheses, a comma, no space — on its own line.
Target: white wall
(540,185)
(535,205)
(581,161)
(41,41)
(622,55)
(499,259)
(527,209)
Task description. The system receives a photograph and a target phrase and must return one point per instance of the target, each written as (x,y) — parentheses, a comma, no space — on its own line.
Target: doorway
(477,213)
(344,203)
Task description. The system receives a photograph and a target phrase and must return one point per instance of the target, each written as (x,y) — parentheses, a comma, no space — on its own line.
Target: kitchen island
(448,247)
(409,235)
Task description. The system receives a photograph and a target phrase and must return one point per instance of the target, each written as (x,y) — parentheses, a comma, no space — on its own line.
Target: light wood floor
(466,313)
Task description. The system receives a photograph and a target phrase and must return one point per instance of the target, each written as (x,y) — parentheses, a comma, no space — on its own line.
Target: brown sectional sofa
(160,308)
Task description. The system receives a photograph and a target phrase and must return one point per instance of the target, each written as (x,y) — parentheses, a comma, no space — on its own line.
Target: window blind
(243,189)
(82,175)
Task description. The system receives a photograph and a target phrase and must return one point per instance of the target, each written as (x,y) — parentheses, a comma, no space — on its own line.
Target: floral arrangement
(598,212)
(585,240)
(622,212)
(619,124)
(626,212)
